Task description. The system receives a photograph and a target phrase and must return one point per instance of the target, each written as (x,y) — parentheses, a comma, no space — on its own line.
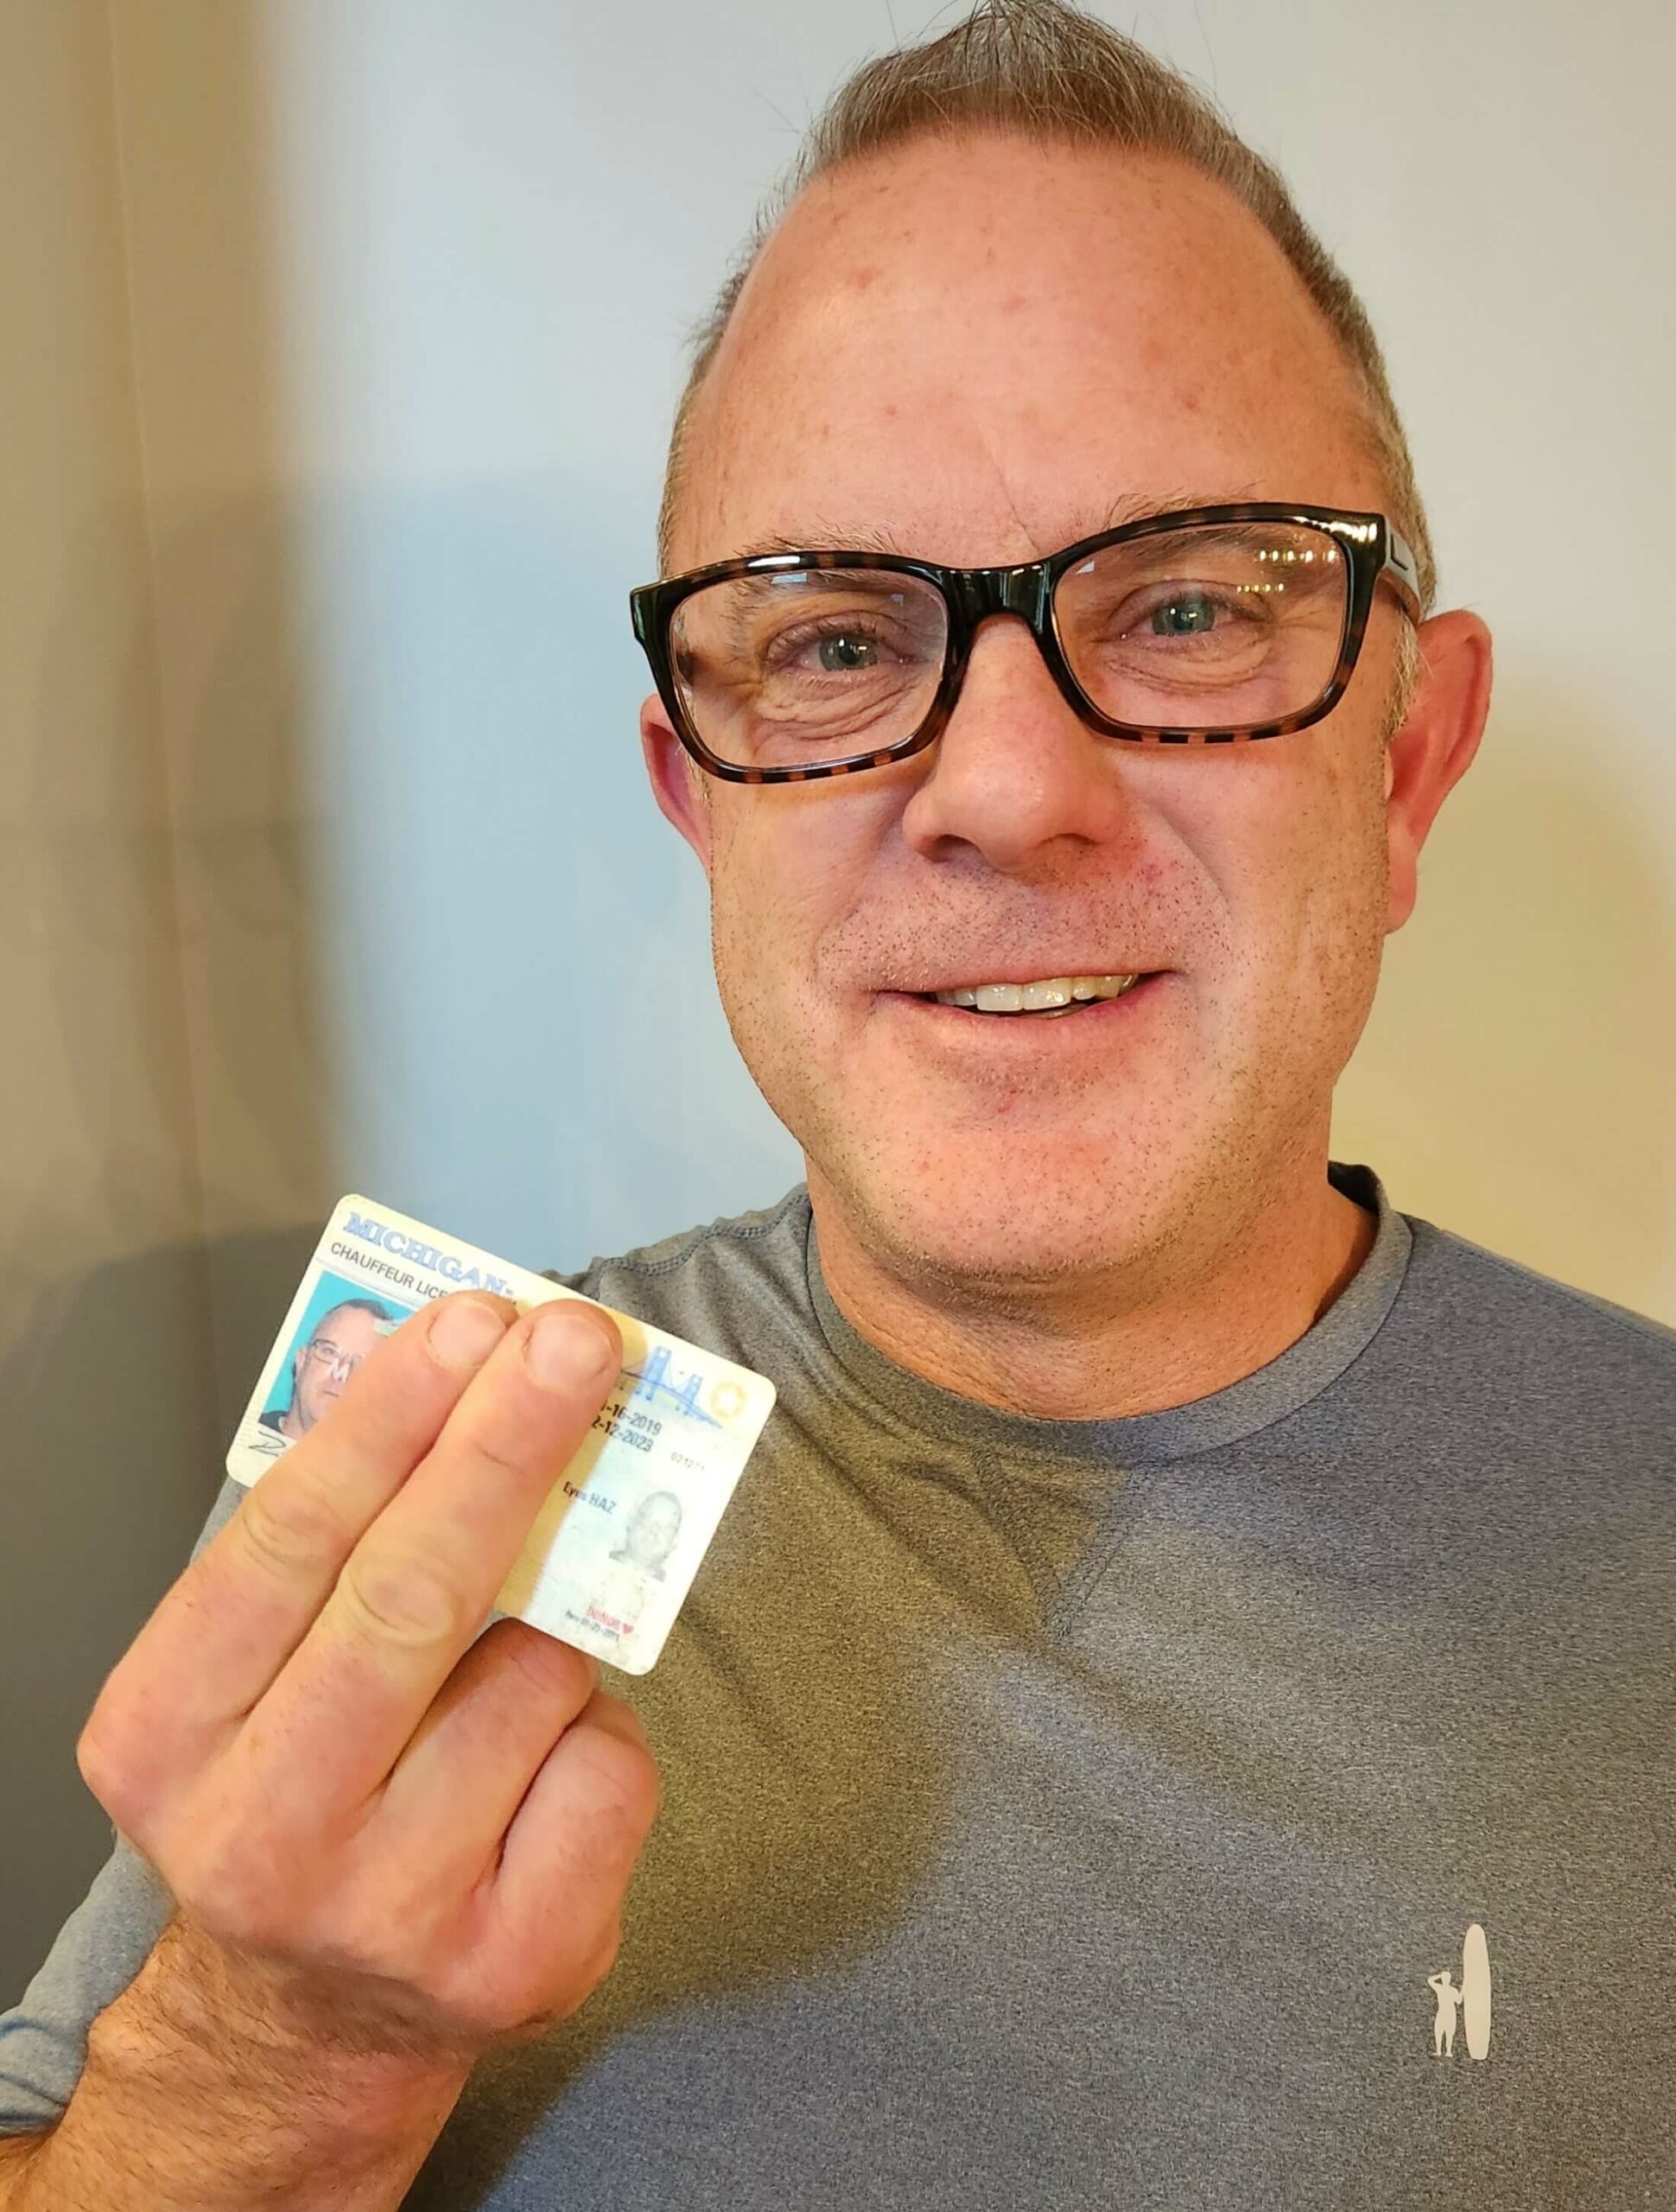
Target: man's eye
(1181,617)
(846,651)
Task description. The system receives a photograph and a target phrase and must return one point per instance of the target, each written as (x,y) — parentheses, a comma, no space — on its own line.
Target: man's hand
(384,1838)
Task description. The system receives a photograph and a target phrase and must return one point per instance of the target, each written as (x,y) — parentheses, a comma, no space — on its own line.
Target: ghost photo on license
(636,1564)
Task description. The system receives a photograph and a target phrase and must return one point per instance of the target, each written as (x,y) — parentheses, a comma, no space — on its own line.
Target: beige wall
(155,1140)
(1517,1080)
(1514,236)
(102,1314)
(191,134)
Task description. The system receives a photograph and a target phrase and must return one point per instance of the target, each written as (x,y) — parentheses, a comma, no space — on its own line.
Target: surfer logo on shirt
(1469,2000)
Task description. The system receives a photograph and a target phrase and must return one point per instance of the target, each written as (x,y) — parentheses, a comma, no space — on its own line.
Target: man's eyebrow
(1130,506)
(1127,506)
(816,540)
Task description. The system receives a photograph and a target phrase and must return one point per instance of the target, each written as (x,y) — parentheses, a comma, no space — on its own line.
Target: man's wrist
(199,2000)
(18,2154)
(196,2094)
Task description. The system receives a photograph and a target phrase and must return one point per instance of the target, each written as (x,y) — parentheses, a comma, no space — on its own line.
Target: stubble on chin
(1003,1228)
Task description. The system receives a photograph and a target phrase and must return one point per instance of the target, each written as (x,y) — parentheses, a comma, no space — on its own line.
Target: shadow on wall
(180,964)
(196,99)
(1517,1082)
(247,836)
(113,1458)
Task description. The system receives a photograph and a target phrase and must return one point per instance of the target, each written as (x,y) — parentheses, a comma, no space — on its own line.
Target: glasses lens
(1216,627)
(800,667)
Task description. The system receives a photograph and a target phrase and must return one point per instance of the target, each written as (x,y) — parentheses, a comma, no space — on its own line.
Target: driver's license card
(615,1547)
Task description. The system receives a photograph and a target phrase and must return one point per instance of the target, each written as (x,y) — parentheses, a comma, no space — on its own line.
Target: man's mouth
(1050,995)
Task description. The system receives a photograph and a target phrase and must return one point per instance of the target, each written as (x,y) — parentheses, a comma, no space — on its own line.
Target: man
(651,1533)
(1067,1676)
(1449,2005)
(339,1341)
(620,1596)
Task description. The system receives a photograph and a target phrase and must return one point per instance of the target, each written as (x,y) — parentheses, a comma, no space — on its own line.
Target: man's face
(342,1341)
(972,350)
(652,1529)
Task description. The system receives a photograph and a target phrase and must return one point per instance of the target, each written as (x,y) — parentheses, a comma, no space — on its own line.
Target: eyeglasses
(340,1365)
(1208,625)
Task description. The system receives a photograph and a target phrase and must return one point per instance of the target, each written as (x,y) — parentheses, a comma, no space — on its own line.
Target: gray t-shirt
(1063,1813)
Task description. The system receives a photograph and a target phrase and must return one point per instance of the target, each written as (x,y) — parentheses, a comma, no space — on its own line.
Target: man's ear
(1433,749)
(677,782)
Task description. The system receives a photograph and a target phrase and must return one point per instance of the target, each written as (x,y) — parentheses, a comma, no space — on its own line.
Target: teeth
(1037,998)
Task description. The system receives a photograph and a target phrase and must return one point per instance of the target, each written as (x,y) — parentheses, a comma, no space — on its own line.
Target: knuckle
(288,1528)
(556,1673)
(475,2013)
(470,1996)
(621,1718)
(122,1754)
(402,1599)
(504,1457)
(603,1957)
(543,1991)
(495,1994)
(105,1766)
(646,1796)
(622,1797)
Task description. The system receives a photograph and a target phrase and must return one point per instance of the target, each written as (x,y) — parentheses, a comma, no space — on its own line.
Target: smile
(1053,994)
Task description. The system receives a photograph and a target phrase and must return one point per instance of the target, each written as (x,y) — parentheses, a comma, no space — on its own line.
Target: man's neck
(1070,1356)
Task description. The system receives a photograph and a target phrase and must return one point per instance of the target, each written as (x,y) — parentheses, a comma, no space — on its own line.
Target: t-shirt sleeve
(100,1950)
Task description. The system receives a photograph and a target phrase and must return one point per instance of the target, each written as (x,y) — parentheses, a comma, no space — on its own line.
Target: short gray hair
(1046,70)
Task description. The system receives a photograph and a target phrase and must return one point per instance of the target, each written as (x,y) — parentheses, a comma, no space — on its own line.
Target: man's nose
(1015,768)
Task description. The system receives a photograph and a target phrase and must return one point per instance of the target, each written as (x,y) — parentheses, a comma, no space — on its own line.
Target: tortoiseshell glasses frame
(1374,552)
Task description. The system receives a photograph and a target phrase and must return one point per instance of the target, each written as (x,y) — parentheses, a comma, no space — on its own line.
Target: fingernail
(569,1350)
(466,1331)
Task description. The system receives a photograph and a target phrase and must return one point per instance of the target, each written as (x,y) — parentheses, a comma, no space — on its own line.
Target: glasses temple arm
(1404,571)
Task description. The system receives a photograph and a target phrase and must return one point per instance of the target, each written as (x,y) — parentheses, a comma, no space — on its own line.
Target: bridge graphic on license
(652,1381)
